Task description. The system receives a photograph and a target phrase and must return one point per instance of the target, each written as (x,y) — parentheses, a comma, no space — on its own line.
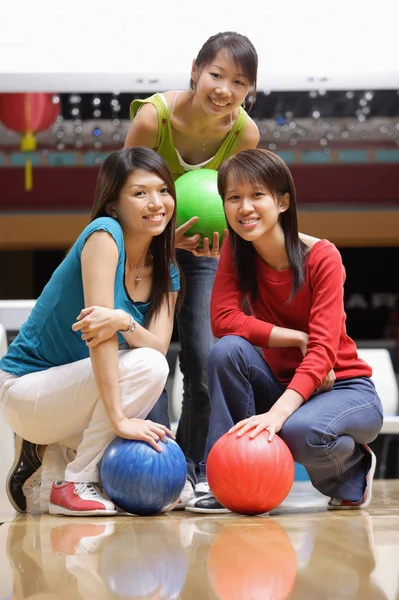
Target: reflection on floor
(300,552)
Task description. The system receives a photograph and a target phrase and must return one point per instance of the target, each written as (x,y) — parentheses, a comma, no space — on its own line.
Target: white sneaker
(202,488)
(32,490)
(187,494)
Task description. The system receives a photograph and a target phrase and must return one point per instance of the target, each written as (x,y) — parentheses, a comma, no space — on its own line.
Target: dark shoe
(26,463)
(206,504)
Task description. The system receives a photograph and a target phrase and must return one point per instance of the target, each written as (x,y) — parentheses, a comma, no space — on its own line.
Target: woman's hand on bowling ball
(98,323)
(187,242)
(144,430)
(269,421)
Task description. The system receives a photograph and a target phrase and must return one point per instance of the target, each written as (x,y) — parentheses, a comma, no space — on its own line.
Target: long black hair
(242,51)
(113,175)
(261,166)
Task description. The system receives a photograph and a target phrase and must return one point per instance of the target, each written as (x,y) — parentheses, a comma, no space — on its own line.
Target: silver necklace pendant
(138,277)
(204,144)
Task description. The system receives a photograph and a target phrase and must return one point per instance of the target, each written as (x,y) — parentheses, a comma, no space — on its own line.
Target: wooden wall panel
(343,227)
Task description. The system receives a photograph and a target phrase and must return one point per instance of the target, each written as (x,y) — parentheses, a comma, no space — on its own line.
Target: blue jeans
(196,339)
(326,434)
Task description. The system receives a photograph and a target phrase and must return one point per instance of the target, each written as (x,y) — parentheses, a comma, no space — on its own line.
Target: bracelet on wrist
(131,326)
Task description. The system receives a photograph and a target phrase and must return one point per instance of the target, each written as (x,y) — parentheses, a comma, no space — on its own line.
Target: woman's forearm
(104,359)
(140,337)
(281,337)
(287,404)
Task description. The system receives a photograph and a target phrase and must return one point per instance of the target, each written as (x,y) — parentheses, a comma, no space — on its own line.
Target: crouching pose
(307,383)
(65,380)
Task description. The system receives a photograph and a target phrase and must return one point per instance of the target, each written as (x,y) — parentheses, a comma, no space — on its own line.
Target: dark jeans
(196,339)
(325,434)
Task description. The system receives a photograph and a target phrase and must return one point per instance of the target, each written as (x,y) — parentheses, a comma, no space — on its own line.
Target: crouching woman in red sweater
(289,367)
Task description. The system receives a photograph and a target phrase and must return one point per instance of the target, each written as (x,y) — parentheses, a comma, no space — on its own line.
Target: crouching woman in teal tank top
(65,381)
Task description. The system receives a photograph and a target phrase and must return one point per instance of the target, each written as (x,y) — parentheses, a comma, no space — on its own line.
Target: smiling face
(251,209)
(221,86)
(145,205)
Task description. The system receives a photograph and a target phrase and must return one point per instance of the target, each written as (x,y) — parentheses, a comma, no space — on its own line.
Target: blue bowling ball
(140,480)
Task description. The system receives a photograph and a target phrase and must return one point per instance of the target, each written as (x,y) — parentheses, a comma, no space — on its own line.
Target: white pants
(62,406)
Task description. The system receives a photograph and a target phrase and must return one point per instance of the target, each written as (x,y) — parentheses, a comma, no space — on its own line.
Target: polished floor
(302,552)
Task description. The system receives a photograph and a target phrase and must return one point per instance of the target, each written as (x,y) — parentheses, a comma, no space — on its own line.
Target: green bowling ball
(197,196)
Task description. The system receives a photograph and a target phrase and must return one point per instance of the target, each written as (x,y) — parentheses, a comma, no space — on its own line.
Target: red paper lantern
(28,114)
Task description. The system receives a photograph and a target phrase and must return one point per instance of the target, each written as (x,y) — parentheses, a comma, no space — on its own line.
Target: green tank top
(165,146)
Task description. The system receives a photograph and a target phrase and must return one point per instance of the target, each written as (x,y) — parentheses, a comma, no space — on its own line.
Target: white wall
(344,41)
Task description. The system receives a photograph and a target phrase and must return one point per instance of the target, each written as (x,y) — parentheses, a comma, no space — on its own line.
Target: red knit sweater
(317,309)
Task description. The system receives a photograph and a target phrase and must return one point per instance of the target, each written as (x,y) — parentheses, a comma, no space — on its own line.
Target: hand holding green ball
(197,196)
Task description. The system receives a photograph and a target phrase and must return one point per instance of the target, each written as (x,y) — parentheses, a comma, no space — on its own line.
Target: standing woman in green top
(199,128)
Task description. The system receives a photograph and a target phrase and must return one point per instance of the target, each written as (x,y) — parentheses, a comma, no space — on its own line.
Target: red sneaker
(335,504)
(79,499)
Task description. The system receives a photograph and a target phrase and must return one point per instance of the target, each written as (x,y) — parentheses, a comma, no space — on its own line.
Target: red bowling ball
(250,475)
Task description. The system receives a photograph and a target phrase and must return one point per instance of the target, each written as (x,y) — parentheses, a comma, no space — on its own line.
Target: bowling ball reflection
(256,562)
(144,561)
